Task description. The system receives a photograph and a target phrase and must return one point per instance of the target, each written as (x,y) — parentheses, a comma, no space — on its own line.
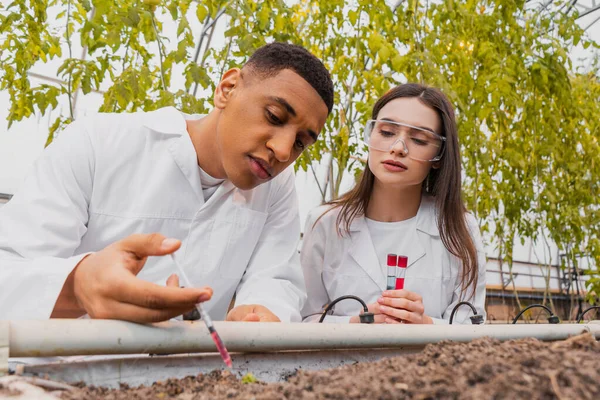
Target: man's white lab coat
(335,266)
(112,175)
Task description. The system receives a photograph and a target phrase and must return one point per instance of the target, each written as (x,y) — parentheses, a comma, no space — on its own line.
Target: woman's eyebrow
(416,126)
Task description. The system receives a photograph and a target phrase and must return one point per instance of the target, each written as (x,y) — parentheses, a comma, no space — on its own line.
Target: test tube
(392,262)
(401,272)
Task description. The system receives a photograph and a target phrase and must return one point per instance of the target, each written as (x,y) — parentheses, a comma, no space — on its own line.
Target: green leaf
(86,5)
(201,12)
(384,54)
(279,23)
(353,16)
(264,16)
(133,15)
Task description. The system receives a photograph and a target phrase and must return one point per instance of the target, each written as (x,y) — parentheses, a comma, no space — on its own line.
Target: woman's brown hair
(443,183)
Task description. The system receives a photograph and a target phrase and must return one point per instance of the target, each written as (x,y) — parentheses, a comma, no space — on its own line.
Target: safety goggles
(418,143)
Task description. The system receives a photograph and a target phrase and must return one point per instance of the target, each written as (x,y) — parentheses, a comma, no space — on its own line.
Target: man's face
(265,124)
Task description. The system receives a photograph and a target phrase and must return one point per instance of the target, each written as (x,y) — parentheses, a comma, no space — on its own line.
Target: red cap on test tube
(392,260)
(402,261)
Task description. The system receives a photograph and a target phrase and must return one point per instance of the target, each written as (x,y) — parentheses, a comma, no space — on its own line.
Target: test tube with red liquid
(392,262)
(401,272)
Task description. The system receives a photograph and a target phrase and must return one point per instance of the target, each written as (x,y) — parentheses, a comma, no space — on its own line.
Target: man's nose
(282,145)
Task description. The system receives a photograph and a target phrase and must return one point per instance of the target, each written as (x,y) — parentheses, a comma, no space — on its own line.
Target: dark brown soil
(483,369)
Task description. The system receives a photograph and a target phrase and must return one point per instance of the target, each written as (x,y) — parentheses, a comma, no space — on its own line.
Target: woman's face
(394,167)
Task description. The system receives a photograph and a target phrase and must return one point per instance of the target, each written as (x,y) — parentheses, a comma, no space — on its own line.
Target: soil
(482,369)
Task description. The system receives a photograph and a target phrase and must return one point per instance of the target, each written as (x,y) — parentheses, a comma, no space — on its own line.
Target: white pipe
(63,337)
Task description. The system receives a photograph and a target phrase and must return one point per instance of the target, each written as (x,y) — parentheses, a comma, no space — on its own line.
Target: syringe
(206,318)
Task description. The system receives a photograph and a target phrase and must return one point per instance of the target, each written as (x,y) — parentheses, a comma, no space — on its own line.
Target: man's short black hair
(272,58)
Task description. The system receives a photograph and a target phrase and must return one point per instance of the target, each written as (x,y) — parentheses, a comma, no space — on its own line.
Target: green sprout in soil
(249,378)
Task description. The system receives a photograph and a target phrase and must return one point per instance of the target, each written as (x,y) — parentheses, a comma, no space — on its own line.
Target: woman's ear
(226,86)
(436,165)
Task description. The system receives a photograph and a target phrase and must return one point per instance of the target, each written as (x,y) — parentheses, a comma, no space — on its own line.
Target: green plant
(249,378)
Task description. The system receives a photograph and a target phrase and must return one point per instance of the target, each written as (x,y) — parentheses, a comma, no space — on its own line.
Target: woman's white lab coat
(112,175)
(335,266)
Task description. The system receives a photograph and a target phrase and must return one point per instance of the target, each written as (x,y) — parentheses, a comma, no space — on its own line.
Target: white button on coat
(335,266)
(112,175)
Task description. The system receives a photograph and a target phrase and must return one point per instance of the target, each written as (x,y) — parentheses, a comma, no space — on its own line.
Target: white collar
(426,218)
(168,120)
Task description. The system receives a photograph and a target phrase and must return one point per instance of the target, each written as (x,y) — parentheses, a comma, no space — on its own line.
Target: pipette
(206,318)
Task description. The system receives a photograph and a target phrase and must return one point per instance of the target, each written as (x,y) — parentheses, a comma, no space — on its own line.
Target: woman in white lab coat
(408,202)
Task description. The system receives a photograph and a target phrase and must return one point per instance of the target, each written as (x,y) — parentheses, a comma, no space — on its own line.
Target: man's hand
(104,284)
(251,313)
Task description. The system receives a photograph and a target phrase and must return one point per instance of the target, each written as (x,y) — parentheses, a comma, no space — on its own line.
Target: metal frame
(584,7)
(588,8)
(143,370)
(564,276)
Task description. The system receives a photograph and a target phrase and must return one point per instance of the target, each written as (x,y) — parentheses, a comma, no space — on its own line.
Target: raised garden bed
(483,368)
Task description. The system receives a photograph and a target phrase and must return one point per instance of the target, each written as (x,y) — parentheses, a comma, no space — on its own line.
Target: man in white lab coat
(89,228)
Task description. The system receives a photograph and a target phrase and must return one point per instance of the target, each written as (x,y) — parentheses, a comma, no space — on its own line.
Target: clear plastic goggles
(419,143)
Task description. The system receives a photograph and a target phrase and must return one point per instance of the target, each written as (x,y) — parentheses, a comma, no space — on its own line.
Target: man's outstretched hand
(104,284)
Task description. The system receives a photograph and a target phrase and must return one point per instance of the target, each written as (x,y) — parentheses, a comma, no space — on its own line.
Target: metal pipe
(56,80)
(589,11)
(64,337)
(525,296)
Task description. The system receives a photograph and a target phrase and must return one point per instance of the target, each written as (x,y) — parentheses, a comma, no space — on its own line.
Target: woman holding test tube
(407,203)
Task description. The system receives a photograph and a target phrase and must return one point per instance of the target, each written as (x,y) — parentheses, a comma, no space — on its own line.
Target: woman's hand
(402,306)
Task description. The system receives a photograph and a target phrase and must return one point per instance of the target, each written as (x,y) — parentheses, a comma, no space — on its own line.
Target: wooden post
(4,326)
